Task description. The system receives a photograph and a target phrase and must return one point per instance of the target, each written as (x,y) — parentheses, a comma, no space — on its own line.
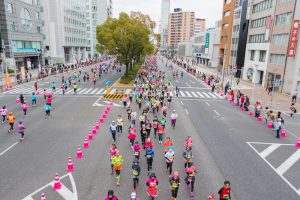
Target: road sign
(107,82)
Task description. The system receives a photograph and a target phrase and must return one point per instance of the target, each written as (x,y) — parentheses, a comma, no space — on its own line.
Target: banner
(207,40)
(293,38)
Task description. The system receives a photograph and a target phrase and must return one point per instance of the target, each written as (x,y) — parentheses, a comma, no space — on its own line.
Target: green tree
(127,37)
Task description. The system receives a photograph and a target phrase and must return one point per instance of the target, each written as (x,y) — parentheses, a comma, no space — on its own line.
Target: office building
(164,20)
(21,29)
(180,27)
(199,26)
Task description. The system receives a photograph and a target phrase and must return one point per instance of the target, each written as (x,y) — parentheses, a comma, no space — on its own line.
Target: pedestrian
(3,112)
(277,126)
(173,118)
(117,163)
(21,129)
(294,96)
(75,88)
(149,154)
(33,99)
(22,99)
(174,183)
(110,195)
(190,178)
(11,120)
(160,133)
(112,153)
(47,109)
(45,94)
(131,136)
(169,159)
(293,109)
(133,196)
(225,191)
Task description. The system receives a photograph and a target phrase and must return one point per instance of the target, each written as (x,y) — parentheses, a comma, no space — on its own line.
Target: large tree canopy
(128,37)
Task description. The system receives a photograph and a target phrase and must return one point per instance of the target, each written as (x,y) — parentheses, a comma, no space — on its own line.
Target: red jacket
(223,192)
(131,136)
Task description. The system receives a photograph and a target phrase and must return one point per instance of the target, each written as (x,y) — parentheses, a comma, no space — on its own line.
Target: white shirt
(174,115)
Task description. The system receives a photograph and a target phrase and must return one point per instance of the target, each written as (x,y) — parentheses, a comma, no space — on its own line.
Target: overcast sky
(209,9)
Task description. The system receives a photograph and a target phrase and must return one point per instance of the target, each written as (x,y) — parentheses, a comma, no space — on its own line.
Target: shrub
(10,70)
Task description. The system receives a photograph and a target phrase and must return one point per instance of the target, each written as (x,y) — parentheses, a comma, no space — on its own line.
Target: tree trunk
(126,70)
(131,65)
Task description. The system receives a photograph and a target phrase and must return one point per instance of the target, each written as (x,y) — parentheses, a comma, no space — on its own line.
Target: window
(280,39)
(94,8)
(284,18)
(37,15)
(252,55)
(283,1)
(266,4)
(259,38)
(277,59)
(225,26)
(261,22)
(11,26)
(237,15)
(38,29)
(262,56)
(227,1)
(25,19)
(226,14)
(9,8)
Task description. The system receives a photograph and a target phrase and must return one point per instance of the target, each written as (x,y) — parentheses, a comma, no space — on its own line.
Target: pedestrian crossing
(101,91)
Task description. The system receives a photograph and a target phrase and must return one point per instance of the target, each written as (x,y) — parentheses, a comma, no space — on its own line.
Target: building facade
(21,29)
(226,31)
(165,10)
(65,31)
(180,27)
(199,26)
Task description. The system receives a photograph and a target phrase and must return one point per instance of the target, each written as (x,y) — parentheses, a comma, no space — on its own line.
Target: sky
(211,10)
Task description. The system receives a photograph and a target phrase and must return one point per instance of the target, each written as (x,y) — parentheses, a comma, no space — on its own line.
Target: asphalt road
(227,145)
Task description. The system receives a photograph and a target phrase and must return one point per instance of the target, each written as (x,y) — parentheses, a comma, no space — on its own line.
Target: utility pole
(223,69)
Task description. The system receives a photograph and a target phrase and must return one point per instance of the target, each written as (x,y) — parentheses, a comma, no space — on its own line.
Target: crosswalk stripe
(69,91)
(95,90)
(194,94)
(269,150)
(188,94)
(84,89)
(27,91)
(213,96)
(182,94)
(199,93)
(112,91)
(206,95)
(87,91)
(288,162)
(57,91)
(127,91)
(99,92)
(14,91)
(218,96)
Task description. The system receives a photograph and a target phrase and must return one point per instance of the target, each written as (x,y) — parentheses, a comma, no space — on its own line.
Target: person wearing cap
(136,170)
(113,130)
(116,161)
(133,196)
(149,154)
(152,184)
(169,159)
(174,183)
(110,195)
(225,191)
(190,178)
(11,120)
(173,118)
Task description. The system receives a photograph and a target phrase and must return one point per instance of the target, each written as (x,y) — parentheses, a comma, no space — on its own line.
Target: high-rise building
(226,31)
(21,30)
(97,12)
(180,27)
(165,10)
(199,26)
(65,30)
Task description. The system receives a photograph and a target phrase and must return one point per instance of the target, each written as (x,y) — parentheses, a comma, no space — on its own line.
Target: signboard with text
(207,40)
(293,39)
(268,27)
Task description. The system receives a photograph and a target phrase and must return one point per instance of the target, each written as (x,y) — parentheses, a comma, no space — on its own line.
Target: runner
(187,155)
(24,108)
(148,127)
(225,191)
(152,184)
(173,118)
(120,124)
(47,109)
(160,133)
(188,142)
(53,86)
(149,157)
(75,88)
(3,111)
(33,99)
(190,178)
(136,170)
(133,196)
(143,134)
(136,150)
(131,137)
(94,81)
(112,153)
(117,163)
(111,196)
(148,143)
(133,117)
(21,129)
(113,130)
(167,144)
(174,182)
(155,125)
(169,159)
(11,120)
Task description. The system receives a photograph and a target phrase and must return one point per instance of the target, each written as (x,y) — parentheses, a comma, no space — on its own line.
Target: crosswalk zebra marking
(194,94)
(69,91)
(80,92)
(213,96)
(95,90)
(188,94)
(87,91)
(199,93)
(182,94)
(101,90)
(206,95)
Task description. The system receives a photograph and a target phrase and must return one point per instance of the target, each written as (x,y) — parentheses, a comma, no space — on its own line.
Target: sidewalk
(281,102)
(34,74)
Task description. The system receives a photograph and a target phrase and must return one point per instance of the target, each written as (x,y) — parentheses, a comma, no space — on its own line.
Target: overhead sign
(107,82)
(294,38)
(207,40)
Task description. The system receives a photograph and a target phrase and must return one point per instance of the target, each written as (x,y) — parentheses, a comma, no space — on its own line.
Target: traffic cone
(104,116)
(90,136)
(259,119)
(101,119)
(111,102)
(298,143)
(226,98)
(57,184)
(243,108)
(17,100)
(70,165)
(230,100)
(86,143)
(221,94)
(43,197)
(94,131)
(106,111)
(270,124)
(79,153)
(283,133)
(97,125)
(108,107)
(251,113)
(236,103)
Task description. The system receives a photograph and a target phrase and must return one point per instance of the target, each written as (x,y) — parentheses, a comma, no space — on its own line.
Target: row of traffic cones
(57,184)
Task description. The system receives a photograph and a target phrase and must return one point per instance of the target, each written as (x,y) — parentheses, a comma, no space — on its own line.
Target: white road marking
(269,150)
(57,91)
(187,112)
(87,91)
(115,104)
(181,103)
(177,81)
(206,95)
(113,91)
(69,90)
(288,163)
(188,84)
(213,96)
(182,94)
(11,146)
(95,90)
(194,94)
(192,82)
(216,112)
(188,94)
(200,95)
(207,104)
(218,96)
(84,89)
(101,90)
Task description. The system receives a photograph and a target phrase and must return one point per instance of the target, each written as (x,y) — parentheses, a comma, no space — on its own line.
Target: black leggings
(135,181)
(118,172)
(11,126)
(192,182)
(149,163)
(25,112)
(120,128)
(113,136)
(4,116)
(174,192)
(169,166)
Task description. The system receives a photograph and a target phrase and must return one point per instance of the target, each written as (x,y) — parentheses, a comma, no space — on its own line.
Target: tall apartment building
(65,30)
(226,31)
(259,39)
(280,37)
(180,27)
(239,35)
(199,26)
(21,30)
(97,11)
(164,20)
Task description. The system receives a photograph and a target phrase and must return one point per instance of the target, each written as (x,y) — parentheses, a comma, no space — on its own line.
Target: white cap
(133,195)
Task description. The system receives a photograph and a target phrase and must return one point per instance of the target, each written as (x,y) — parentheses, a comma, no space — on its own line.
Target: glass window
(37,15)
(283,1)
(277,59)
(27,1)
(38,29)
(252,55)
(25,19)
(11,26)
(284,18)
(262,56)
(10,8)
(280,39)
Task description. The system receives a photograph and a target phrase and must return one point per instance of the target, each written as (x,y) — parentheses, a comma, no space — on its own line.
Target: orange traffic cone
(79,152)
(57,184)
(70,165)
